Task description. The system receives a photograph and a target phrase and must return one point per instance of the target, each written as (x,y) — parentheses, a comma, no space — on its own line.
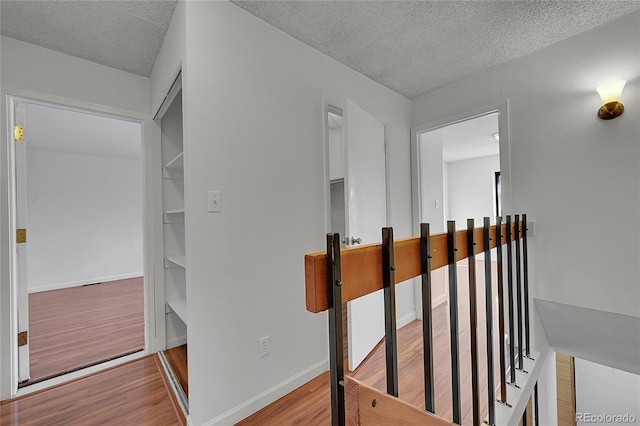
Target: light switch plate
(214,203)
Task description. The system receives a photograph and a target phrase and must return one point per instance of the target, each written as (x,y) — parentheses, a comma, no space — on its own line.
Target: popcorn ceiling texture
(409,46)
(414,47)
(126,35)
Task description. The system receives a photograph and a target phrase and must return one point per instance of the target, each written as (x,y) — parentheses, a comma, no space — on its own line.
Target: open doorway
(458,179)
(460,172)
(79,195)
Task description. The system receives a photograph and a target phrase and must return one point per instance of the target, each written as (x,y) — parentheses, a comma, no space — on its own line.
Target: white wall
(470,189)
(245,270)
(602,390)
(84,214)
(576,176)
(31,71)
(432,181)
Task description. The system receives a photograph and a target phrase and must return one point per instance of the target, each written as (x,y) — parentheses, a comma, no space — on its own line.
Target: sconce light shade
(610,93)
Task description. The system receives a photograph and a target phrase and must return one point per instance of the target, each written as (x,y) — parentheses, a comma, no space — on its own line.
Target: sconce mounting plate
(610,110)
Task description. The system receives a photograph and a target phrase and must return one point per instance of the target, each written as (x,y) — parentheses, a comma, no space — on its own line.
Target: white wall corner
(405,319)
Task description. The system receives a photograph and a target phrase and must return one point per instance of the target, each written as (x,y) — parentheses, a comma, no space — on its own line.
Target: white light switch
(437,204)
(214,201)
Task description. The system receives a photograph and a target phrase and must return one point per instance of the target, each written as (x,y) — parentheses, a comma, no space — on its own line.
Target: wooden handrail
(362,270)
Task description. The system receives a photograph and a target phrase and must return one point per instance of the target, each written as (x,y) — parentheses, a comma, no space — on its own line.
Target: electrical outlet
(264,346)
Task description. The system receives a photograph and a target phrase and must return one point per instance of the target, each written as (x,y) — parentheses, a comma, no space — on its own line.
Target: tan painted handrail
(362,270)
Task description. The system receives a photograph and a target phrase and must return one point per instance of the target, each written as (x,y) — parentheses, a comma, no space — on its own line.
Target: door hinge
(18,133)
(21,236)
(23,338)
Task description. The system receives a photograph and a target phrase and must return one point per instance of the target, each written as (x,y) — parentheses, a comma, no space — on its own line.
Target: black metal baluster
(336,355)
(519,293)
(503,360)
(427,318)
(453,320)
(525,266)
(489,320)
(512,351)
(389,285)
(473,321)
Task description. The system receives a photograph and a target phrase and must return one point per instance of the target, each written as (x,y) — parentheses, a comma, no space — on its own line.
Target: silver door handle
(355,240)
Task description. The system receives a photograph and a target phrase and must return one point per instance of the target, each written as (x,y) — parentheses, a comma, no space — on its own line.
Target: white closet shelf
(174,216)
(177,260)
(176,163)
(176,211)
(179,307)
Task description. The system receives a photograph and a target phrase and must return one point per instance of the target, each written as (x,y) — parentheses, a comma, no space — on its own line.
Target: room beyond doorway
(458,165)
(77,327)
(80,194)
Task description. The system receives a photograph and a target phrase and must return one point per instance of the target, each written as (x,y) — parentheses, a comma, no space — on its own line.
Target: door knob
(355,240)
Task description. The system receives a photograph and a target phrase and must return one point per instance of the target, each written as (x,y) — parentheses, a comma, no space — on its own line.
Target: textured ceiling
(126,35)
(413,47)
(409,46)
(470,139)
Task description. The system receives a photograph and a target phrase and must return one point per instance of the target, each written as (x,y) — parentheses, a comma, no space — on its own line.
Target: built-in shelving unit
(173,209)
(174,261)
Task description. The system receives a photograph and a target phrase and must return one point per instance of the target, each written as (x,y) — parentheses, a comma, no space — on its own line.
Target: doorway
(357,210)
(458,178)
(79,266)
(459,172)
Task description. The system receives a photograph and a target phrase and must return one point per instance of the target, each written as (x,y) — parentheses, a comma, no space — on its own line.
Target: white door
(20,277)
(365,184)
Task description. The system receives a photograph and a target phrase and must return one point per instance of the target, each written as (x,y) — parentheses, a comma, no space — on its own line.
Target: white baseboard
(59,286)
(438,301)
(265,398)
(401,322)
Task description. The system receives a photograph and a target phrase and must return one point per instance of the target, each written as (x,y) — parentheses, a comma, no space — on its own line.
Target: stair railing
(340,275)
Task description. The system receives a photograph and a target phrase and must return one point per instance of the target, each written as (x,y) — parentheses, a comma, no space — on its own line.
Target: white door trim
(150,135)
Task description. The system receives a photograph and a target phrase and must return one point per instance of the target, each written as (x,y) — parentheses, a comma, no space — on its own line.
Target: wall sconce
(610,93)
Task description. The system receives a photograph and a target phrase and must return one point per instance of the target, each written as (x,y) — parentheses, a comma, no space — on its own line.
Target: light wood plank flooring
(77,327)
(135,393)
(309,404)
(177,360)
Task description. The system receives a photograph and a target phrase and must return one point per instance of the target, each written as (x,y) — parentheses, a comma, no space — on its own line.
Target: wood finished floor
(135,393)
(177,360)
(138,393)
(77,327)
(309,404)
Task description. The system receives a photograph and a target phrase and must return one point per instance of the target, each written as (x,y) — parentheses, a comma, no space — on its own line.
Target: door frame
(150,134)
(502,108)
